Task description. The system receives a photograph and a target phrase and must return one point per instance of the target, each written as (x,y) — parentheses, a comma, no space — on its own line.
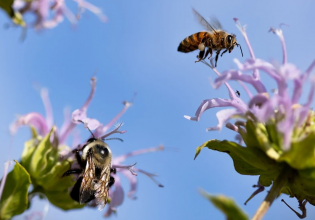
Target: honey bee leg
(207,53)
(113,170)
(73,171)
(223,52)
(217,57)
(210,51)
(111,181)
(200,56)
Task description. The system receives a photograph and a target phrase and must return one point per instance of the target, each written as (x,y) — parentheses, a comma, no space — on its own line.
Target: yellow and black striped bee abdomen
(191,43)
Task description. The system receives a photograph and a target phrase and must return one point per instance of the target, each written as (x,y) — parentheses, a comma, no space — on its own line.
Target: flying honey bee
(214,39)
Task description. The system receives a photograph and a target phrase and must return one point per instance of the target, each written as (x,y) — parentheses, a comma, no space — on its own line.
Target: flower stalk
(274,192)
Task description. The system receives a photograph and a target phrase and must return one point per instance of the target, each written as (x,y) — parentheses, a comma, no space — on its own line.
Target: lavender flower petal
(223,116)
(117,197)
(238,75)
(122,158)
(217,102)
(279,33)
(5,173)
(47,106)
(133,183)
(32,119)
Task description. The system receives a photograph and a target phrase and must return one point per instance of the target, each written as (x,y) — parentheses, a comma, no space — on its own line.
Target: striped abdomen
(191,43)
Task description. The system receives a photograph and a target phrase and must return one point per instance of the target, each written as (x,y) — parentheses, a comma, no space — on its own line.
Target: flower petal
(223,116)
(238,75)
(217,102)
(117,197)
(32,119)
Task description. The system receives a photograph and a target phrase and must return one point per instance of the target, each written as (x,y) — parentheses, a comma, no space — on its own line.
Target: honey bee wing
(86,190)
(102,188)
(215,23)
(204,22)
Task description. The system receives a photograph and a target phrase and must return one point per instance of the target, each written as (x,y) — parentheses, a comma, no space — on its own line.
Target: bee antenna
(108,139)
(88,129)
(240,48)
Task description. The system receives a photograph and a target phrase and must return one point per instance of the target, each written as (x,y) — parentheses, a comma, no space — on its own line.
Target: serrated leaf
(14,198)
(301,154)
(227,206)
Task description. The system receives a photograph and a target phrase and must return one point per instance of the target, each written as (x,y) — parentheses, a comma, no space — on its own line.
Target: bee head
(99,150)
(231,42)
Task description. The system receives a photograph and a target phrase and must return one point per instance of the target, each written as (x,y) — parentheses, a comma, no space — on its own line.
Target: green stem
(273,193)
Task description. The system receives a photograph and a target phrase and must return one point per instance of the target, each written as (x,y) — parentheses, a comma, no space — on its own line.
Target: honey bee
(214,39)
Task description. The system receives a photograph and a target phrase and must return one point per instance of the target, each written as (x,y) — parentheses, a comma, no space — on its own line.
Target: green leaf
(16,17)
(226,205)
(247,160)
(53,180)
(29,148)
(62,200)
(301,185)
(14,198)
(301,154)
(44,158)
(249,136)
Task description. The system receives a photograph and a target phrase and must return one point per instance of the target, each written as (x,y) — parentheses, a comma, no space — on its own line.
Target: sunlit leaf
(301,154)
(227,206)
(14,198)
(247,160)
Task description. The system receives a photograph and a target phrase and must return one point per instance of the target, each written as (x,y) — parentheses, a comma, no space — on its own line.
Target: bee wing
(215,24)
(102,188)
(86,189)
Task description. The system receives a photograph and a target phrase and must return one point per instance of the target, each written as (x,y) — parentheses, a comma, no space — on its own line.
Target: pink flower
(262,107)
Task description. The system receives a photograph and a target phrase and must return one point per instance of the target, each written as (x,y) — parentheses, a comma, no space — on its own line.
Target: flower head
(277,129)
(49,13)
(46,157)
(280,107)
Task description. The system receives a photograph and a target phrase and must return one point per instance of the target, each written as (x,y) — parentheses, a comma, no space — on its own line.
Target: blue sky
(136,51)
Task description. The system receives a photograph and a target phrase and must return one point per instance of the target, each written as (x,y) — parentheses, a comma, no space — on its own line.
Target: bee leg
(223,52)
(217,57)
(75,192)
(73,171)
(78,157)
(113,170)
(111,181)
(200,56)
(209,50)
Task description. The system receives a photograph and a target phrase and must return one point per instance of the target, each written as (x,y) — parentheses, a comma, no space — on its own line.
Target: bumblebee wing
(87,190)
(102,188)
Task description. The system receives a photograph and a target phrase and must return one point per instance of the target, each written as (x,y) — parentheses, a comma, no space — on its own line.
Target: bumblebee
(214,39)
(94,179)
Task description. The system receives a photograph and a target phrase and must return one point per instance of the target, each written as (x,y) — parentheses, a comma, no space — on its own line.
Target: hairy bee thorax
(102,155)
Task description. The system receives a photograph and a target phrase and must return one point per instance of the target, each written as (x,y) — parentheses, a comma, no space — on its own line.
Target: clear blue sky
(136,51)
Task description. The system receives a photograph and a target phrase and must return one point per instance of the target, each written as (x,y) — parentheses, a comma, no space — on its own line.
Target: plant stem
(273,193)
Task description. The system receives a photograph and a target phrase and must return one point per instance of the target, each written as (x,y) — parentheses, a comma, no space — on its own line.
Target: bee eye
(229,39)
(101,151)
